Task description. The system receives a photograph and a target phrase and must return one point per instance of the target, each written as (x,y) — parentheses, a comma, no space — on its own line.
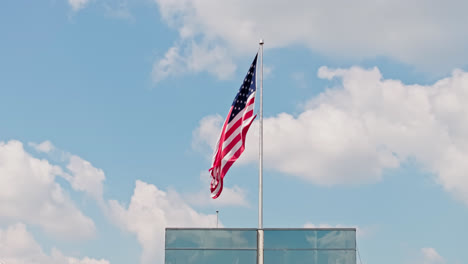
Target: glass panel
(336,257)
(336,239)
(310,239)
(289,239)
(203,256)
(323,256)
(290,256)
(211,238)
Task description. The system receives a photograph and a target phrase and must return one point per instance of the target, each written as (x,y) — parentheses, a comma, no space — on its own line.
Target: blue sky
(109,111)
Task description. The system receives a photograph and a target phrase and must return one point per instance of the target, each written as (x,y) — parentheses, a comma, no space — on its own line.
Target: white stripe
(238,116)
(247,121)
(233,135)
(230,154)
(216,191)
(229,125)
(215,152)
(249,107)
(250,97)
(236,132)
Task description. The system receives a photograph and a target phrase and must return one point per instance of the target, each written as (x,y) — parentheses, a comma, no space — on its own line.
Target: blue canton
(246,89)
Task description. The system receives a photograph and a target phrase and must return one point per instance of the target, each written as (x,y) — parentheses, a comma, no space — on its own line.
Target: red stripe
(218,158)
(240,136)
(220,190)
(231,144)
(251,101)
(233,128)
(239,122)
(238,152)
(247,115)
(231,160)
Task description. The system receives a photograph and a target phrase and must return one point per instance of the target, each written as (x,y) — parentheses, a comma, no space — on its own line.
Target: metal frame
(267,229)
(252,249)
(210,228)
(268,249)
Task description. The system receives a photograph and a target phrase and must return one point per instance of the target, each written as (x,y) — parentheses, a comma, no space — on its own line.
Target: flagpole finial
(261,42)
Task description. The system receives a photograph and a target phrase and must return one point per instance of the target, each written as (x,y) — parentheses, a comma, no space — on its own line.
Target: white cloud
(85,177)
(293,146)
(45,147)
(426,123)
(17,246)
(171,64)
(417,33)
(430,256)
(29,193)
(82,176)
(78,4)
(149,212)
(351,133)
(205,136)
(194,57)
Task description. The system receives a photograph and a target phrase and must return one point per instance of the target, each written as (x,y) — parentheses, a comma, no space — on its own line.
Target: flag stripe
(236,136)
(235,122)
(235,153)
(233,128)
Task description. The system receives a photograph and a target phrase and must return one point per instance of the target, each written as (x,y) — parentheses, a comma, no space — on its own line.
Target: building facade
(281,246)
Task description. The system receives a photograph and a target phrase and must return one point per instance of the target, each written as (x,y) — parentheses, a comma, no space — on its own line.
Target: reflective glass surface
(336,239)
(281,246)
(310,239)
(336,256)
(324,256)
(290,256)
(203,256)
(211,239)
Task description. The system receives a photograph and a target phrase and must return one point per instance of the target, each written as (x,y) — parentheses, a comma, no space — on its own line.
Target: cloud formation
(430,256)
(152,210)
(351,133)
(78,4)
(30,194)
(44,147)
(417,33)
(84,177)
(193,57)
(17,246)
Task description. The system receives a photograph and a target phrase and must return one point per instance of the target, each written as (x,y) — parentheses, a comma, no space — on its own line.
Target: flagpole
(260,152)
(260,166)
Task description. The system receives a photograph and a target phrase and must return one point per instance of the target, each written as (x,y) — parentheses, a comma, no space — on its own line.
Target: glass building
(281,246)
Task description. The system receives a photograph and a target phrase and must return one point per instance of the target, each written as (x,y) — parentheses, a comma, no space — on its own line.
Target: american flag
(231,142)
